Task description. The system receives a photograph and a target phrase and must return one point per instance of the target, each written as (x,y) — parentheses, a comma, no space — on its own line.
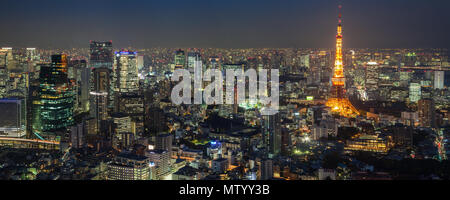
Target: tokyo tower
(338,102)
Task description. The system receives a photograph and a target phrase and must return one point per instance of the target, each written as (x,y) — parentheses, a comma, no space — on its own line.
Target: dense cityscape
(107,113)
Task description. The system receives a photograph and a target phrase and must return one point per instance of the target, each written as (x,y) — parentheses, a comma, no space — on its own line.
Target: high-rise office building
(13,117)
(9,57)
(161,161)
(415,92)
(79,73)
(101,55)
(34,125)
(77,135)
(140,62)
(55,96)
(123,123)
(99,95)
(272,133)
(266,169)
(126,72)
(439,79)
(133,105)
(124,130)
(427,113)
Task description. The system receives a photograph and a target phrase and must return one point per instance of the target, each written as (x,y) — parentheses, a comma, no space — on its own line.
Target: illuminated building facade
(129,167)
(370,143)
(123,123)
(126,71)
(338,102)
(132,104)
(415,92)
(55,96)
(160,159)
(439,79)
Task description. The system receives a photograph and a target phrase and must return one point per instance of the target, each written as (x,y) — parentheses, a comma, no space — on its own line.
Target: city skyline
(232,107)
(234,24)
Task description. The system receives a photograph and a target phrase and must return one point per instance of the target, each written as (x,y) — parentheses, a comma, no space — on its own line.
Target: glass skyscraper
(55,96)
(101,63)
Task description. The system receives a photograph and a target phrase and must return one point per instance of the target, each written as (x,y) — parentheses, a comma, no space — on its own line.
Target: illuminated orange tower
(338,102)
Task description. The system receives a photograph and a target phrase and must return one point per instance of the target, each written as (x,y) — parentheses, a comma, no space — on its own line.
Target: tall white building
(126,71)
(140,62)
(439,77)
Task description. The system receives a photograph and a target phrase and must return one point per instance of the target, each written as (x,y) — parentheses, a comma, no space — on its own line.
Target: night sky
(224,23)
